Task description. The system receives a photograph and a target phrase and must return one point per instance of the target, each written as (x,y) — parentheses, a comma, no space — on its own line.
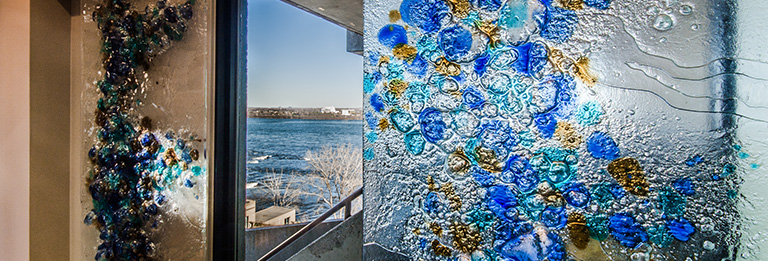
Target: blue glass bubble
(526,139)
(469,150)
(602,146)
(531,58)
(402,121)
(565,100)
(427,47)
(499,83)
(371,120)
(601,193)
(684,186)
(395,70)
(498,136)
(671,203)
(481,64)
(414,142)
(196,170)
(391,35)
(626,231)
(371,136)
(472,98)
(432,125)
(533,204)
(659,235)
(558,24)
(742,155)
(370,80)
(373,57)
(390,98)
(431,202)
(728,169)
(598,225)
(368,154)
(418,66)
(377,102)
(589,113)
(554,217)
(680,229)
(546,125)
(88,220)
(188,183)
(481,219)
(599,4)
(558,173)
(92,153)
(424,14)
(577,196)
(520,172)
(455,42)
(147,139)
(500,200)
(483,177)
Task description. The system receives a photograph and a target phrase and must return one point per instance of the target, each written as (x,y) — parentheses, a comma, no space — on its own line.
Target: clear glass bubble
(686,9)
(663,22)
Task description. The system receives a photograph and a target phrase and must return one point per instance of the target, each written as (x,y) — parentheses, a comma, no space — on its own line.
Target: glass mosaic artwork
(145,115)
(563,129)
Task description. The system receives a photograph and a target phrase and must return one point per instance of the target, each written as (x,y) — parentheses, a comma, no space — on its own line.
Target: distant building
(346,113)
(271,216)
(330,109)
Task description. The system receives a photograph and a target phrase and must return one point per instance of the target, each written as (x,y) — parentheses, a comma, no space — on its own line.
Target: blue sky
(299,60)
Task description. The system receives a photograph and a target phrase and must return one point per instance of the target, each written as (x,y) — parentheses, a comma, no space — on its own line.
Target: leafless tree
(284,191)
(336,172)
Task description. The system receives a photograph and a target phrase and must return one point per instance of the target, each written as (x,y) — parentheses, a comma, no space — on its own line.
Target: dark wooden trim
(228,224)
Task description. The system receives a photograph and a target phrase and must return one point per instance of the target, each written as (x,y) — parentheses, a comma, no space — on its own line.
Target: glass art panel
(145,71)
(564,129)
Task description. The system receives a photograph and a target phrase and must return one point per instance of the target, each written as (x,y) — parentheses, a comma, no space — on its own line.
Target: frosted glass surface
(145,71)
(565,129)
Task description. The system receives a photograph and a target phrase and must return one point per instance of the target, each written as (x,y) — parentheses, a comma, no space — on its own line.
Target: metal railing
(346,204)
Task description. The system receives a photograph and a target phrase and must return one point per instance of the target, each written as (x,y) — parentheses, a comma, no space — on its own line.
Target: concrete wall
(259,241)
(343,242)
(14,129)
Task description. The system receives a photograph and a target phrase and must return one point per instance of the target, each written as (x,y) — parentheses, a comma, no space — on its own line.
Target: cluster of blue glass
(467,83)
(130,164)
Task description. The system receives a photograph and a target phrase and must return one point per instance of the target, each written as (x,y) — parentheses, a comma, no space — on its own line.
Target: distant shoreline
(325,113)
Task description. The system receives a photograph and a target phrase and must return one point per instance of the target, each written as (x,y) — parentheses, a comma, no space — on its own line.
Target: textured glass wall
(564,129)
(145,103)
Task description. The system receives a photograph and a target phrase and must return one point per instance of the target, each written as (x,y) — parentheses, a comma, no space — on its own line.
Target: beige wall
(49,130)
(14,129)
(34,129)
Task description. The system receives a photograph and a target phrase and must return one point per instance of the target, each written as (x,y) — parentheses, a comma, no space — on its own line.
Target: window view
(304,126)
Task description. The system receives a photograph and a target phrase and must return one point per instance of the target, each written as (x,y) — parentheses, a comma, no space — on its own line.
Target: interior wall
(76,130)
(14,129)
(49,129)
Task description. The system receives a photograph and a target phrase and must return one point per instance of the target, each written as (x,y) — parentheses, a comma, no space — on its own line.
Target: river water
(280,146)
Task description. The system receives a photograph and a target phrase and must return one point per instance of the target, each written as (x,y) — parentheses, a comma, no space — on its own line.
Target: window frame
(228,190)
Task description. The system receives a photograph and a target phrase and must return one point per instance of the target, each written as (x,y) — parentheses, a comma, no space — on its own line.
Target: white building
(330,109)
(271,216)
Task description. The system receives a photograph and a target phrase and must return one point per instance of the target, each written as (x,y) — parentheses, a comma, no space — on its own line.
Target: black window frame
(228,195)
